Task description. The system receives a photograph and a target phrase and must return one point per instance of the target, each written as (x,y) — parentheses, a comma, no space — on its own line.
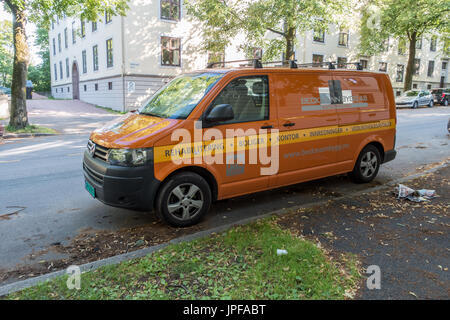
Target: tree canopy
(6,53)
(269,24)
(406,20)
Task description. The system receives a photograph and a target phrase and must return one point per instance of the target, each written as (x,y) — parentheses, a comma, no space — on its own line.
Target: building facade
(119,62)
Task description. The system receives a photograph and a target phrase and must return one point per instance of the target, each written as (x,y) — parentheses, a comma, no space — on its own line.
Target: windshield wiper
(150,114)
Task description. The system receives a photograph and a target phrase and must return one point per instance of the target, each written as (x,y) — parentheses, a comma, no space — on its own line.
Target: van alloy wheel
(431,104)
(185,201)
(415,105)
(369,163)
(446,102)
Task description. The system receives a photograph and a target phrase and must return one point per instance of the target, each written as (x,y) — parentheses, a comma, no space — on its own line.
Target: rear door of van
(307,122)
(363,108)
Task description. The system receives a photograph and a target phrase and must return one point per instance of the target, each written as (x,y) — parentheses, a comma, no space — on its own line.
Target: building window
(382,66)
(68,89)
(109,85)
(96,87)
(414,85)
(364,63)
(85,87)
(444,65)
(109,53)
(401,46)
(433,43)
(319,35)
(54,46)
(398,93)
(83,28)
(341,62)
(416,66)
(95,57)
(419,43)
(67,68)
(53,24)
(170,51)
(343,38)
(108,17)
(400,72)
(60,70)
(59,42)
(66,41)
(170,10)
(429,86)
(317,59)
(56,72)
(84,61)
(94,26)
(74,33)
(430,68)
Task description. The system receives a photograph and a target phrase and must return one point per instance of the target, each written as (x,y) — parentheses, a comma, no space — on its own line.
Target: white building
(120,61)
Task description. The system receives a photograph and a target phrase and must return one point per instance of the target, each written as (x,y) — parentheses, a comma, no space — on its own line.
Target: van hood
(132,131)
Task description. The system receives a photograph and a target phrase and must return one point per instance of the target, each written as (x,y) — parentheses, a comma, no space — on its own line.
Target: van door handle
(289,124)
(267,127)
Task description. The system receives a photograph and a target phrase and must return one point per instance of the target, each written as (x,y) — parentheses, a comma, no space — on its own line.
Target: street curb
(27,135)
(23,284)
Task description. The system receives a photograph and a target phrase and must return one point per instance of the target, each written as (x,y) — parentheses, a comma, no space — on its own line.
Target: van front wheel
(367,166)
(183,199)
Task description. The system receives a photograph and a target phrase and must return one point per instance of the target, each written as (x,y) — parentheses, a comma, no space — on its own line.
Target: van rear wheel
(367,165)
(183,199)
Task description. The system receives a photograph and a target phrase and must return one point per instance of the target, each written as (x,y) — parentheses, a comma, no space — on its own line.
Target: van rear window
(179,97)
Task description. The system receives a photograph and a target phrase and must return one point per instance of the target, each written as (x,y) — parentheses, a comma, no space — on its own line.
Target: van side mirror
(221,112)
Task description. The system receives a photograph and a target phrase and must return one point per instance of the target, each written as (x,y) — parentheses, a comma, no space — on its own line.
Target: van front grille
(100,152)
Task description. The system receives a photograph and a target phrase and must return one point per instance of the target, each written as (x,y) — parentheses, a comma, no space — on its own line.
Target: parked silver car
(414,99)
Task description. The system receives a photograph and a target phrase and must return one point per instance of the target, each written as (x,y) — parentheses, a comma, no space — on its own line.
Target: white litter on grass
(404,192)
(281,252)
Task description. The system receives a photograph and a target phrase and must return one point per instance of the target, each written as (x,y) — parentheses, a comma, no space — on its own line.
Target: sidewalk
(65,116)
(408,241)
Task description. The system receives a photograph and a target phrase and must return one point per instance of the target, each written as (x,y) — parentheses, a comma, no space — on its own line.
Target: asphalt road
(43,176)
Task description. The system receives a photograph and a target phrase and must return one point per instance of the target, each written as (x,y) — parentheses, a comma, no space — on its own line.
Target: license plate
(89,188)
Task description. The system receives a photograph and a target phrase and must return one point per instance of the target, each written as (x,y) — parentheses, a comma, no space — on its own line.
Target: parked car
(414,99)
(139,161)
(441,96)
(5,90)
(1,130)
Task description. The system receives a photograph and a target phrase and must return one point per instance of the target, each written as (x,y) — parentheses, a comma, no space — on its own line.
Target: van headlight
(130,157)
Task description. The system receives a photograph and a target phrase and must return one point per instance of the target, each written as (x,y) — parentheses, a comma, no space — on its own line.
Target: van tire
(367,165)
(431,104)
(415,105)
(183,199)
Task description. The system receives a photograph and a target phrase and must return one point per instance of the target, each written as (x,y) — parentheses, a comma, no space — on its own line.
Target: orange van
(222,133)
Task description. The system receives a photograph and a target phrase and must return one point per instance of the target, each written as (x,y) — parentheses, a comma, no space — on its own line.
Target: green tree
(6,53)
(40,74)
(403,19)
(257,19)
(43,12)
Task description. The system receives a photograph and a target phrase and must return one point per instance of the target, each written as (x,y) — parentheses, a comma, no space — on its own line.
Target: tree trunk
(410,65)
(290,43)
(19,118)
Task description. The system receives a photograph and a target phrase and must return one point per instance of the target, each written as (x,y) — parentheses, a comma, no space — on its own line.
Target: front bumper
(126,187)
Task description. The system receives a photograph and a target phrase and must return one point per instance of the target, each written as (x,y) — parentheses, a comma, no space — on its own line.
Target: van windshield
(179,97)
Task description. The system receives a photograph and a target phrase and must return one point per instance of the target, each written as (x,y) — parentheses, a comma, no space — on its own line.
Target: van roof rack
(258,64)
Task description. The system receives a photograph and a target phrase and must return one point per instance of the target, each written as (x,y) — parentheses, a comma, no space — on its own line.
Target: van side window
(249,98)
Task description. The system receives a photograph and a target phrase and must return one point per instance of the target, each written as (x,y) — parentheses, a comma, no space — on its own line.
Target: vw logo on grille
(91,148)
